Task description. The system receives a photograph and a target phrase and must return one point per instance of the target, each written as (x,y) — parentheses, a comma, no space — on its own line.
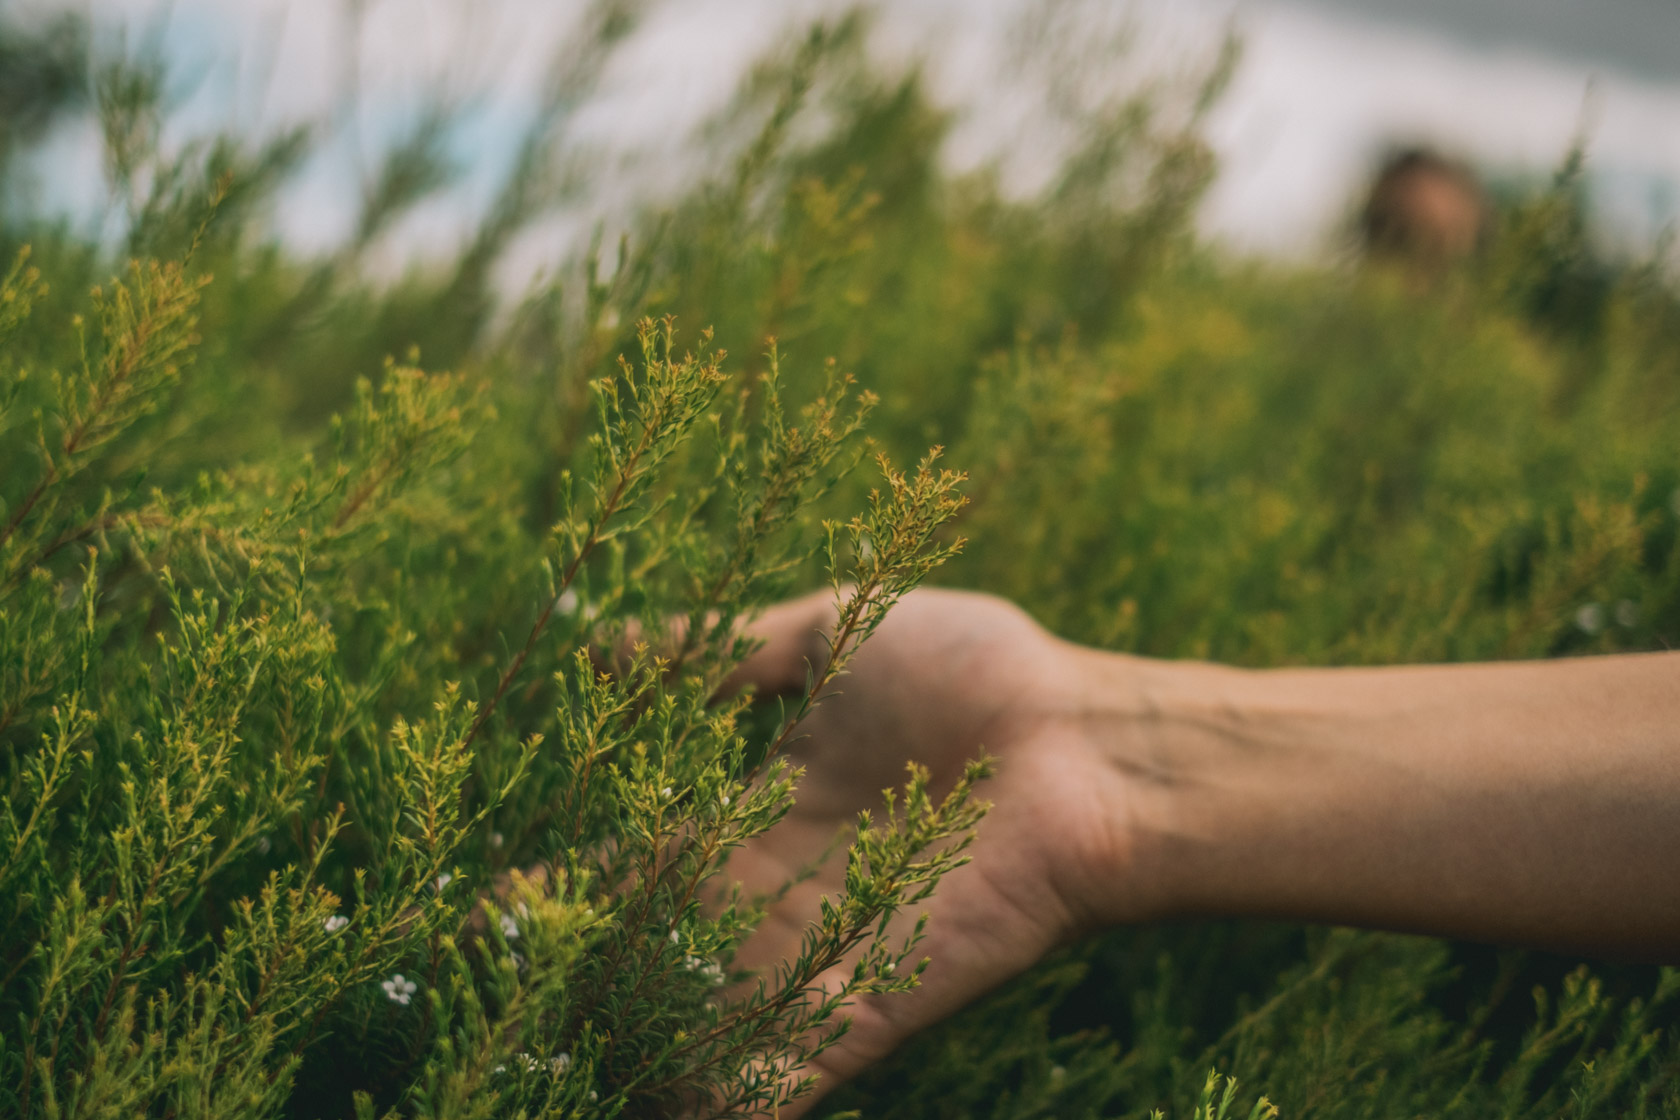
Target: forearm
(1534,803)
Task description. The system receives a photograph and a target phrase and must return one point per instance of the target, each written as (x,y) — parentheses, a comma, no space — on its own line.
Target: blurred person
(1423,209)
(1533,803)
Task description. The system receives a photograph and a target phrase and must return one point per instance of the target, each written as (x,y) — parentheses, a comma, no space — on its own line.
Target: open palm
(948,676)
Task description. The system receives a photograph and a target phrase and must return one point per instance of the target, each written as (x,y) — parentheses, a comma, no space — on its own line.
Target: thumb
(790,644)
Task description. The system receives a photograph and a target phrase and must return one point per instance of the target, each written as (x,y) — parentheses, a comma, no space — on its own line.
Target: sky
(1329,84)
(1323,87)
(1639,37)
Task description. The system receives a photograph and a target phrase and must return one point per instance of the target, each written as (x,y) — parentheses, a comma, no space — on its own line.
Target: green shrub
(304,650)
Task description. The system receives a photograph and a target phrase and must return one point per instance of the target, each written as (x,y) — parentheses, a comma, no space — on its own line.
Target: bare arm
(1534,802)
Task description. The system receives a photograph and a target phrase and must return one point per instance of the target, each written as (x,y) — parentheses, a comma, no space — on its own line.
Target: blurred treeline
(1171,452)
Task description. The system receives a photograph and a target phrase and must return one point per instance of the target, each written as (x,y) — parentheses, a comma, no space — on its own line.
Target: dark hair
(1423,205)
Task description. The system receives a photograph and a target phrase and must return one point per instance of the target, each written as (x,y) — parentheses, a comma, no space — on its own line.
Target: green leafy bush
(360,726)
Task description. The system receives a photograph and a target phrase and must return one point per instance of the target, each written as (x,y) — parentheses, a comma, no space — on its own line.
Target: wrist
(1521,802)
(1167,745)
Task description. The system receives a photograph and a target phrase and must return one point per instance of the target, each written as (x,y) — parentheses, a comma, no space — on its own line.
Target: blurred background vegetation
(1171,451)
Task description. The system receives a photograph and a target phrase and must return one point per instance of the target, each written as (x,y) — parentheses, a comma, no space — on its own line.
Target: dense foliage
(308,654)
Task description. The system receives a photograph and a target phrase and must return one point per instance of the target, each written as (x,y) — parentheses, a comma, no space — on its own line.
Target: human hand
(948,676)
(1423,798)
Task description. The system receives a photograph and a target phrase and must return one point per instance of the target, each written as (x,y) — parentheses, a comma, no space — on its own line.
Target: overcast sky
(1329,82)
(1323,87)
(1640,37)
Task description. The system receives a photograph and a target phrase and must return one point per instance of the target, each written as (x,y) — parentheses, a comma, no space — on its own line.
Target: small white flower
(442,881)
(724,800)
(1627,613)
(1590,618)
(531,1063)
(709,970)
(496,839)
(666,792)
(399,989)
(674,937)
(594,1096)
(568,601)
(510,927)
(499,1069)
(888,969)
(560,1063)
(264,845)
(335,923)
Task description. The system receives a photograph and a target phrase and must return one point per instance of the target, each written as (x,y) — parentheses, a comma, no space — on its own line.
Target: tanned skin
(1527,803)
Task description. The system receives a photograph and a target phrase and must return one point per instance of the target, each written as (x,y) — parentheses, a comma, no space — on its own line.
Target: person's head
(1423,208)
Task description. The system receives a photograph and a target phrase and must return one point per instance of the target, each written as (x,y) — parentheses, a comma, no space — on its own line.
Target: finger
(788,640)
(873,1033)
